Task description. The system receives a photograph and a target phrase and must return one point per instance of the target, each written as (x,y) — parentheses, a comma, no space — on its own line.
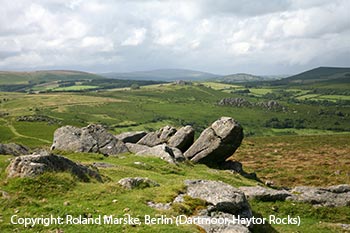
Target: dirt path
(14,131)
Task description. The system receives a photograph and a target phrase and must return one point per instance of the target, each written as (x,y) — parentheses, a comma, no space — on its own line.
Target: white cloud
(136,38)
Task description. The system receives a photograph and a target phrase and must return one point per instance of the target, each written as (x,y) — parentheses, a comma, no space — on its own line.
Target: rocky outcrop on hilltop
(13,149)
(270,105)
(37,164)
(213,147)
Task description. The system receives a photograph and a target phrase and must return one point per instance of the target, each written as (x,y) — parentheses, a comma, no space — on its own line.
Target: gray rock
(230,227)
(265,194)
(137,182)
(169,154)
(224,202)
(135,148)
(34,165)
(183,138)
(93,138)
(329,196)
(224,197)
(131,137)
(216,143)
(13,149)
(159,137)
(102,165)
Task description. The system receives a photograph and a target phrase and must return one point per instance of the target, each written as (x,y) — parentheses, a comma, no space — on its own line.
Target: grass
(47,194)
(314,155)
(319,160)
(75,88)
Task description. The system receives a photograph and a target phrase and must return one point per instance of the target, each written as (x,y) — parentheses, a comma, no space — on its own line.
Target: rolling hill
(243,77)
(14,77)
(162,75)
(320,76)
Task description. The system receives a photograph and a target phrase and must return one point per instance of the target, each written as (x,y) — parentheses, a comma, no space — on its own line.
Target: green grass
(46,194)
(75,88)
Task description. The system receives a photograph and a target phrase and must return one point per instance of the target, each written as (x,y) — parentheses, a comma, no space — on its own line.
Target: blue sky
(223,36)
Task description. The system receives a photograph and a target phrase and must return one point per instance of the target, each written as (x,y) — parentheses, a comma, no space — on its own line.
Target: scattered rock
(4,194)
(13,149)
(34,165)
(183,138)
(338,195)
(216,143)
(236,102)
(102,165)
(159,137)
(135,148)
(159,206)
(265,194)
(271,105)
(137,182)
(131,137)
(93,138)
(169,154)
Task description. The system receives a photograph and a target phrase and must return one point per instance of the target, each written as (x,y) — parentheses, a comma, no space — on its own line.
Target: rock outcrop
(13,149)
(265,194)
(37,164)
(183,138)
(169,154)
(224,202)
(216,143)
(159,137)
(135,148)
(137,182)
(93,138)
(270,105)
(338,195)
(131,137)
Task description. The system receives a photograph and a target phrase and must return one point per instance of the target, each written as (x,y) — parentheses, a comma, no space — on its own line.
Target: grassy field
(312,149)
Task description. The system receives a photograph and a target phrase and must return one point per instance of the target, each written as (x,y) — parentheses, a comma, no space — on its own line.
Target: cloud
(137,37)
(268,36)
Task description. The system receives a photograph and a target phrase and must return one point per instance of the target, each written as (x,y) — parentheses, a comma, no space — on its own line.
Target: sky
(218,36)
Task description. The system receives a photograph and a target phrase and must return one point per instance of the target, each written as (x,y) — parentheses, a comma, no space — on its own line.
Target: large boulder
(135,148)
(131,137)
(13,149)
(93,138)
(216,143)
(159,137)
(169,154)
(183,138)
(37,164)
(338,195)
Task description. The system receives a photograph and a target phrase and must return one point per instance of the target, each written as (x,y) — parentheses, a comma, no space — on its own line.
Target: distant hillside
(243,77)
(14,77)
(162,75)
(320,75)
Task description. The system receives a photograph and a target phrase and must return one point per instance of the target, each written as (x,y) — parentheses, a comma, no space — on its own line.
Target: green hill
(14,77)
(162,75)
(240,78)
(320,76)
